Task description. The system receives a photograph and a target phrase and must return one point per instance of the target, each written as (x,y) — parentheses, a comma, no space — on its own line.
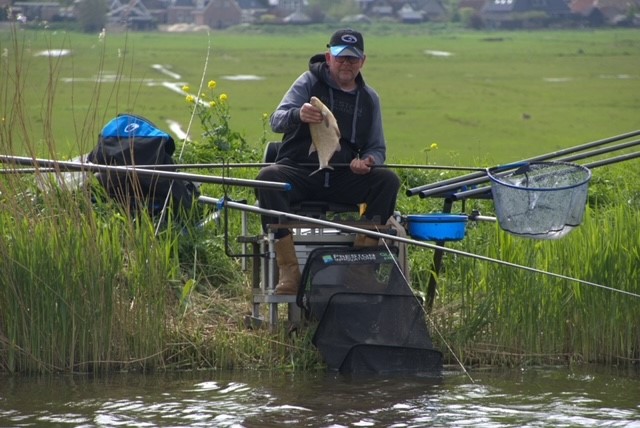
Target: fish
(325,136)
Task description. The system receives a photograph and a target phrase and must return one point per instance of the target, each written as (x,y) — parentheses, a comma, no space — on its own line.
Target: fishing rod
(26,170)
(417,190)
(487,189)
(440,187)
(436,189)
(315,165)
(199,178)
(221,203)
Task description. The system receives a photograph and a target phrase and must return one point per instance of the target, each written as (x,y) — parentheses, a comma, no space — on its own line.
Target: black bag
(133,140)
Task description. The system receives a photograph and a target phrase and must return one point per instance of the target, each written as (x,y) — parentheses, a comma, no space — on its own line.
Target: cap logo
(131,128)
(349,38)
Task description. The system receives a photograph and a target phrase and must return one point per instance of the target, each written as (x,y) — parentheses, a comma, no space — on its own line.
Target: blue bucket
(437,227)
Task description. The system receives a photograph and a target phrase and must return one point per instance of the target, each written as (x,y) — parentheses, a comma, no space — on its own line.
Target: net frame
(542,200)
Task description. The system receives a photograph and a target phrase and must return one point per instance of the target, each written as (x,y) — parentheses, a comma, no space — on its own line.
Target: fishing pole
(487,189)
(417,190)
(437,189)
(221,203)
(199,178)
(612,160)
(26,170)
(601,151)
(315,165)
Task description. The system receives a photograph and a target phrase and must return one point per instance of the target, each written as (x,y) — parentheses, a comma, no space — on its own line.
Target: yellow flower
(212,104)
(186,88)
(265,115)
(433,146)
(190,99)
(212,84)
(223,97)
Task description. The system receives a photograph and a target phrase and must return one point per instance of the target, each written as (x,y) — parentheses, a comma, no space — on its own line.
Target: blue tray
(437,227)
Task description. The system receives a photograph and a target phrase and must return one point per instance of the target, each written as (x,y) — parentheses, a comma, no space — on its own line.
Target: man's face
(344,69)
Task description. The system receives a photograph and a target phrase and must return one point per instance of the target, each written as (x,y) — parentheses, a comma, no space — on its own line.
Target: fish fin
(326,122)
(312,148)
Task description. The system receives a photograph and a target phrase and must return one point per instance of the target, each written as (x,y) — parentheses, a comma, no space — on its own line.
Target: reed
(500,315)
(75,290)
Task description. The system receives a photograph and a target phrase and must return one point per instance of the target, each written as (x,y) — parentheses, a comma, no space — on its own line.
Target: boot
(357,275)
(288,267)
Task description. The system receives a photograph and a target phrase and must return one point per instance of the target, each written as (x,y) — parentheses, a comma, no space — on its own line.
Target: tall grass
(492,313)
(75,291)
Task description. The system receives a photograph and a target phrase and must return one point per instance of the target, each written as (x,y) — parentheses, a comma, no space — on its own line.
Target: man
(334,77)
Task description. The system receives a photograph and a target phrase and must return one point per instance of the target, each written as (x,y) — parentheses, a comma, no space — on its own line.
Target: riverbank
(86,288)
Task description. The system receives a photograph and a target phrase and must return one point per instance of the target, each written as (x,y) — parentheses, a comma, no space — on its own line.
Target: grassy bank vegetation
(87,286)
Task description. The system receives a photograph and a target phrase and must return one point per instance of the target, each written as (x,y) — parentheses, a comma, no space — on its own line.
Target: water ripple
(514,398)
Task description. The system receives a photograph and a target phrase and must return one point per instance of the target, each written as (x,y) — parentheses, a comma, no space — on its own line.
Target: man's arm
(287,115)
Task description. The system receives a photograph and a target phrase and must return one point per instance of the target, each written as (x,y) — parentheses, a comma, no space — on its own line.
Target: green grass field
(492,97)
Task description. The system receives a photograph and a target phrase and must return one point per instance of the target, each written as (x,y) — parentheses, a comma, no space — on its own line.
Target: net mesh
(543,200)
(371,322)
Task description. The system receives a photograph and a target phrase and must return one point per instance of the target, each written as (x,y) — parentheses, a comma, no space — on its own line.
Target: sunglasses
(349,59)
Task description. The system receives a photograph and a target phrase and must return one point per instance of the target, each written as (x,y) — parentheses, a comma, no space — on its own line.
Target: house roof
(473,4)
(253,4)
(133,10)
(505,6)
(297,18)
(407,13)
(434,7)
(583,7)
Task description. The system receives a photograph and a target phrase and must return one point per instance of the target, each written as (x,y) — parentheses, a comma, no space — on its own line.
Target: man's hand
(362,166)
(310,114)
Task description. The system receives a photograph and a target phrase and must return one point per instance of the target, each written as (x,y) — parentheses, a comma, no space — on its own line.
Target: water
(557,397)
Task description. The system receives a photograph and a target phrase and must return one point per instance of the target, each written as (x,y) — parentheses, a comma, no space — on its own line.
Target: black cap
(347,42)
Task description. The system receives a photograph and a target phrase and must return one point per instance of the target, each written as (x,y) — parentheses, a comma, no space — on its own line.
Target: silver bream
(325,136)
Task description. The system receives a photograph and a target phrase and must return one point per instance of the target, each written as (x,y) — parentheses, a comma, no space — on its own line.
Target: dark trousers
(378,189)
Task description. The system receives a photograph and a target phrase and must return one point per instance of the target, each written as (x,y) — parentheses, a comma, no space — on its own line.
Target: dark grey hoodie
(361,133)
